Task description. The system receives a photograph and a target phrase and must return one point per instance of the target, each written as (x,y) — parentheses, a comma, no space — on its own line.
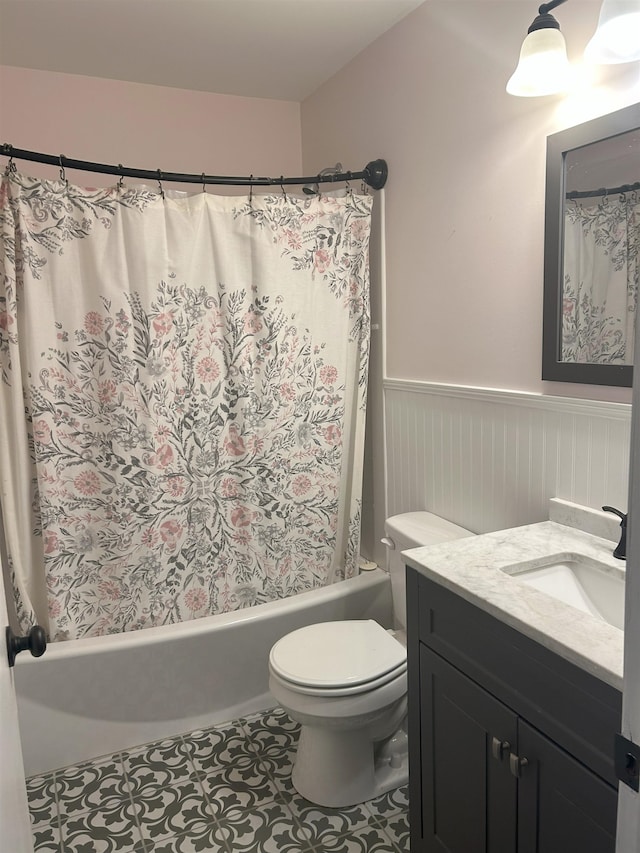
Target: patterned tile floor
(223,790)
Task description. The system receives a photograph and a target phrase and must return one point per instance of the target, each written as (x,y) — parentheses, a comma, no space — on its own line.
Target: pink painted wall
(147,127)
(465,196)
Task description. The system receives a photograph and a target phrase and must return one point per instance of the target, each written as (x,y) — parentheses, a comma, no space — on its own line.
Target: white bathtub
(87,698)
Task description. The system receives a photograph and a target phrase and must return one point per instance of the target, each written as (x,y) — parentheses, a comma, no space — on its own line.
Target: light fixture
(617,38)
(543,67)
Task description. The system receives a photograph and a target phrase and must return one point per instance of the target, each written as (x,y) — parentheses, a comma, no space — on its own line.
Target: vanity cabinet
(511,746)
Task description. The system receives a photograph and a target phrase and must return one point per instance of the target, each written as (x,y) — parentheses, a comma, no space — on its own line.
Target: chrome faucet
(621,549)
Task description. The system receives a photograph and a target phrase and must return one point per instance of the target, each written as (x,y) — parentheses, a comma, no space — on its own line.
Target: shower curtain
(601,277)
(183,399)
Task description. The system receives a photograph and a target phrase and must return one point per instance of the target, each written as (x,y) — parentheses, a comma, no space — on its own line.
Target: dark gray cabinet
(562,805)
(468,795)
(511,747)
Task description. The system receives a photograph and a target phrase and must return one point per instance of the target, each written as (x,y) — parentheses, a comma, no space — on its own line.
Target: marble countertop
(474,569)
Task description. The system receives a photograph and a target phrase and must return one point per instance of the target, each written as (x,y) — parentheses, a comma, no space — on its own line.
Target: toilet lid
(338,654)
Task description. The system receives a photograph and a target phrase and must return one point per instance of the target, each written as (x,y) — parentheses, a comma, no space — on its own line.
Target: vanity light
(617,38)
(543,68)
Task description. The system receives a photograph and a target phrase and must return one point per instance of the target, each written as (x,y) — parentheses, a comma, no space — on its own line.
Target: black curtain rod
(374,173)
(625,188)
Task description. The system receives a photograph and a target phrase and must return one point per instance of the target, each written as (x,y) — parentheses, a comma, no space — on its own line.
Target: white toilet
(346,684)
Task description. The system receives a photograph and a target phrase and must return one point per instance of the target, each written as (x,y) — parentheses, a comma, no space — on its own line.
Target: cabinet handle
(516,764)
(499,747)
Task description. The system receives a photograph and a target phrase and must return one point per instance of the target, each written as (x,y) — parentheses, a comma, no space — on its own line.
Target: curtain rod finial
(376,173)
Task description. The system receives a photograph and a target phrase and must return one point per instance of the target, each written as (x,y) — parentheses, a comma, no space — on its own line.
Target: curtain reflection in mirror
(601,276)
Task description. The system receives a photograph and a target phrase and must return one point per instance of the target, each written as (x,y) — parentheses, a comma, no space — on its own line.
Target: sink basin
(580,582)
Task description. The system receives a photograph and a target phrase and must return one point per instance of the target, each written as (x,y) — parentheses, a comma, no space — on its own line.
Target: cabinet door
(563,807)
(469,796)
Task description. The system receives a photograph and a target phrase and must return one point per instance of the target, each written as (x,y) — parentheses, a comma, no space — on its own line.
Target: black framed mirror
(591,250)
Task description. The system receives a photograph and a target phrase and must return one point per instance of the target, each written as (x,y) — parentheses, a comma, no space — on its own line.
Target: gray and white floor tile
(226,789)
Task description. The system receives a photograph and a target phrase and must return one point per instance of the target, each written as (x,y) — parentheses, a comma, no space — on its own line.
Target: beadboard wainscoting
(491,459)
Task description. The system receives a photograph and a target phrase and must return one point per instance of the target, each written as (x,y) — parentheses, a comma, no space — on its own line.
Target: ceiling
(282,49)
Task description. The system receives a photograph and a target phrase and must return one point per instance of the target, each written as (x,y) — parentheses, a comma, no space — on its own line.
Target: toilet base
(366,770)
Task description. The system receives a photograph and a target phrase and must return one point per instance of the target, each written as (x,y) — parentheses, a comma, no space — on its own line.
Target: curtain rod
(603,191)
(374,173)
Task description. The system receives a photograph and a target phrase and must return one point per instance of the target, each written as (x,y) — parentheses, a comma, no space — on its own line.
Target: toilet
(346,684)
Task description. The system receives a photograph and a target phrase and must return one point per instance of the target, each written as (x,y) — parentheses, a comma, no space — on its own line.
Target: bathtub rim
(107,643)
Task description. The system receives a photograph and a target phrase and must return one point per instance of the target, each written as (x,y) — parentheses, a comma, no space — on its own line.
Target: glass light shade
(543,68)
(617,38)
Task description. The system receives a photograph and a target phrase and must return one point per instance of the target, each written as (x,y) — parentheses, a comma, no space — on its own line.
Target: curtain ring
(120,185)
(160,183)
(10,168)
(204,186)
(251,190)
(282,187)
(63,174)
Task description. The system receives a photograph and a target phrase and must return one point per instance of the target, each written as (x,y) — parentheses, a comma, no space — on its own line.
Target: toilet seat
(337,658)
(352,690)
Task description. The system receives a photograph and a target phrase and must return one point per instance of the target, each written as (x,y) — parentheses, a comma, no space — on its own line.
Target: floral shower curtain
(183,399)
(601,277)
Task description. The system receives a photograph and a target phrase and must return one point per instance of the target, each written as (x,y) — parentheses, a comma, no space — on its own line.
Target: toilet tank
(413,530)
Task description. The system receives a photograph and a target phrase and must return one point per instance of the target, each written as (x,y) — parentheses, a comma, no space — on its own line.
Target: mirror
(592,250)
